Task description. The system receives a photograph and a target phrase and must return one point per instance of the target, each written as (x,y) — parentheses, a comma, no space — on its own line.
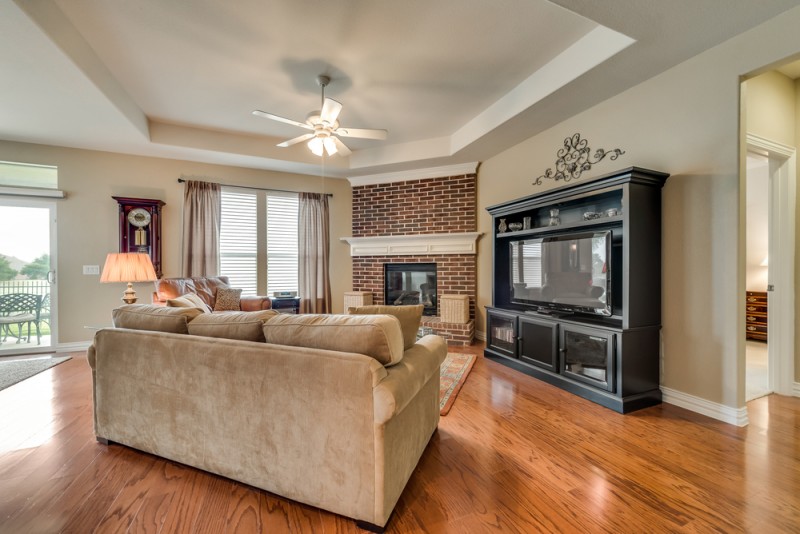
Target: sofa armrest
(405,379)
(255,303)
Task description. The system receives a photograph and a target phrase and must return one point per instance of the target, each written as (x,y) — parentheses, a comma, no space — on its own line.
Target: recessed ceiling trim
(418,174)
(57,27)
(585,54)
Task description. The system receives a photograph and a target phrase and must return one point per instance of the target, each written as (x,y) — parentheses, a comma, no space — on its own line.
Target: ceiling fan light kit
(324,126)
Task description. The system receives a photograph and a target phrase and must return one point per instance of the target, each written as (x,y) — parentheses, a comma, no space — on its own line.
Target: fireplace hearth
(410,283)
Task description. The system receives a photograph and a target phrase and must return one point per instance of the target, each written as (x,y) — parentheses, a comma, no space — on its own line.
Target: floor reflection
(32,413)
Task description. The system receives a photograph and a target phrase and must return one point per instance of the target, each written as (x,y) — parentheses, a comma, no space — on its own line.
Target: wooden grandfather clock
(140,227)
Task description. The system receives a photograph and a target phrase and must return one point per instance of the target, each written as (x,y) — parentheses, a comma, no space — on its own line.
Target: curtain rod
(181,181)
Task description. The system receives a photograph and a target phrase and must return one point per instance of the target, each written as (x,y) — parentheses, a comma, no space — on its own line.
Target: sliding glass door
(27,276)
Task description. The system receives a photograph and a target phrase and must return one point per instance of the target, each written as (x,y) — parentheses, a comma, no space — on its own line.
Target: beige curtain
(314,254)
(201,225)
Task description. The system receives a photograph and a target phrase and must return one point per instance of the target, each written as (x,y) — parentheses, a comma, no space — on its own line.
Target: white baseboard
(77,346)
(720,412)
(480,335)
(796,389)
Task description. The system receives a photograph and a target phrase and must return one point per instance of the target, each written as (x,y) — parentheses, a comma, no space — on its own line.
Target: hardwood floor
(513,455)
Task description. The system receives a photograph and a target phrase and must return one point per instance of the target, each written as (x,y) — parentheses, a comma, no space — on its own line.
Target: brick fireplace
(424,220)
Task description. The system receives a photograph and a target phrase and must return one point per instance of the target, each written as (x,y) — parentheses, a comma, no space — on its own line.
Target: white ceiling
(452,80)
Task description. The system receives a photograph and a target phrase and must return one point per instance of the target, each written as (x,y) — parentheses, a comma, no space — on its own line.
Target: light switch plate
(91,269)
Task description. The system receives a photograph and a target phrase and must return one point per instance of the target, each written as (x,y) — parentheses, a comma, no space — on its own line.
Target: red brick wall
(430,206)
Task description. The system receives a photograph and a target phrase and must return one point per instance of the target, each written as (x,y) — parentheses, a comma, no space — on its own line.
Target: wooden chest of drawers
(756,315)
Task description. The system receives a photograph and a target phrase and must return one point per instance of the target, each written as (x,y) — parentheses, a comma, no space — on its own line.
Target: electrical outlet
(91,269)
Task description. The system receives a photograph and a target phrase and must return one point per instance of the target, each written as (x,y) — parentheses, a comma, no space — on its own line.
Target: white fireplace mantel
(413,245)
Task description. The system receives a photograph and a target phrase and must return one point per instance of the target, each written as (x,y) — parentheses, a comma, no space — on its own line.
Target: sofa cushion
(189,300)
(227,299)
(378,336)
(157,318)
(247,326)
(410,318)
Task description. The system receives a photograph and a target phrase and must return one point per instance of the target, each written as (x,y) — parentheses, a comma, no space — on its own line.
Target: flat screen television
(569,272)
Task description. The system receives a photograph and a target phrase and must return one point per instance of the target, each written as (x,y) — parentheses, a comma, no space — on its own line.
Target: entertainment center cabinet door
(588,355)
(502,333)
(538,343)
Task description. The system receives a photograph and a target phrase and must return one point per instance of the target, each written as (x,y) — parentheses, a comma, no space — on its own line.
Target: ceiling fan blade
(290,142)
(330,111)
(361,133)
(341,147)
(264,114)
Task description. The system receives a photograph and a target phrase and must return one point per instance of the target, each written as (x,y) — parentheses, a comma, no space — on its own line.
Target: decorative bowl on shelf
(515,226)
(589,215)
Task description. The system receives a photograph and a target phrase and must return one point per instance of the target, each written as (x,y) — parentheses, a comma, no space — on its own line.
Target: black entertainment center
(577,287)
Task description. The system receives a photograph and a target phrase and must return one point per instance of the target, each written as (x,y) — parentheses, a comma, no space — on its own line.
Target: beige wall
(684,122)
(770,107)
(87,220)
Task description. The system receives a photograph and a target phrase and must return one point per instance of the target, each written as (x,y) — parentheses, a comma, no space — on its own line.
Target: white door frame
(53,207)
(780,321)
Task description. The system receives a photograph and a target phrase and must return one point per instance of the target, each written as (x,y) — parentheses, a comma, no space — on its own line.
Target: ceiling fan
(325,129)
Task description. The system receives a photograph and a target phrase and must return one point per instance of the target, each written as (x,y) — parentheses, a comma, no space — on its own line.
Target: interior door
(28,295)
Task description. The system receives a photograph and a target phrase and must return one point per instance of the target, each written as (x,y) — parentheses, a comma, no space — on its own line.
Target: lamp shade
(128,267)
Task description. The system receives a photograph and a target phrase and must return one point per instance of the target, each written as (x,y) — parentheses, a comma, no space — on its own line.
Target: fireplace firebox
(410,283)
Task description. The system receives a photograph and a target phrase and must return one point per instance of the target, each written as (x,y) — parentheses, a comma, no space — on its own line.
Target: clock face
(139,217)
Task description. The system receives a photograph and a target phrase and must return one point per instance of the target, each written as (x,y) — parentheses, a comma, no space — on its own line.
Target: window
(258,240)
(281,242)
(238,240)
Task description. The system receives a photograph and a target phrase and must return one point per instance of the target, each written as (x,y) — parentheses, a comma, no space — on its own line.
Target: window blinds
(241,240)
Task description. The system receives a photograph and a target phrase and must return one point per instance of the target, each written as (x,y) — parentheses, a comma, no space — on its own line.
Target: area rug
(13,371)
(455,369)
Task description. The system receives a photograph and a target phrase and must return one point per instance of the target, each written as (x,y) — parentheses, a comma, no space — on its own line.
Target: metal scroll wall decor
(574,158)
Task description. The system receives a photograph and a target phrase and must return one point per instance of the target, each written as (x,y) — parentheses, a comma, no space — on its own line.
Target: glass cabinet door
(588,355)
(537,343)
(502,333)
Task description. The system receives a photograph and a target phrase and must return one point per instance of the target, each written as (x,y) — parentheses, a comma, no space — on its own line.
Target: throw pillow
(410,318)
(189,300)
(246,326)
(228,299)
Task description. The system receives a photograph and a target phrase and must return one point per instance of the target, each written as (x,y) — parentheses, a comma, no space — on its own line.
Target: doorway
(27,277)
(770,194)
(757,383)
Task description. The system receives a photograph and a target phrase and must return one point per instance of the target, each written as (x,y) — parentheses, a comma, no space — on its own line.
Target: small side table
(286,305)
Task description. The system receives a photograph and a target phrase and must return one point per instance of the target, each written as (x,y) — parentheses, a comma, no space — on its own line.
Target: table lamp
(128,267)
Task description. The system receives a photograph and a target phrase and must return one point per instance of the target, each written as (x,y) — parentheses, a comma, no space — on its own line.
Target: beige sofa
(334,428)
